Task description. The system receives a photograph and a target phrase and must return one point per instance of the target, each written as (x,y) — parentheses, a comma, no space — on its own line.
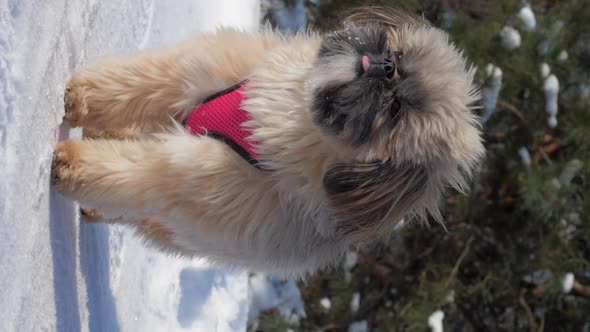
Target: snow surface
(326,304)
(568,282)
(361,326)
(55,272)
(355,302)
(527,17)
(525,156)
(289,19)
(491,91)
(551,89)
(545,70)
(510,38)
(435,321)
(562,56)
(267,292)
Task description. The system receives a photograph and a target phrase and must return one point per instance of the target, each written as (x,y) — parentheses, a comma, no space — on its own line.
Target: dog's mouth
(365,63)
(379,67)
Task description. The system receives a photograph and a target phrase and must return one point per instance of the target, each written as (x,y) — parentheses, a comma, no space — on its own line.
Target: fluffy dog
(354,130)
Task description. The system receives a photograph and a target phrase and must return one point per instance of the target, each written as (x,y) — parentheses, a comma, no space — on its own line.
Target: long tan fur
(194,196)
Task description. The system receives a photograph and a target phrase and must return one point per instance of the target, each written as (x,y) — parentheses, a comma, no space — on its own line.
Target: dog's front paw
(90,215)
(64,167)
(75,103)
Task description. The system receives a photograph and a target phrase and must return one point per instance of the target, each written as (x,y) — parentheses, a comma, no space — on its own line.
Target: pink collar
(221,116)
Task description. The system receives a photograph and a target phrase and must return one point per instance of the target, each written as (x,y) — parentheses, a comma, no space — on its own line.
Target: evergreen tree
(516,255)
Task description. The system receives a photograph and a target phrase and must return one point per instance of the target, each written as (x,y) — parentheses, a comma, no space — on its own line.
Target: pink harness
(221,116)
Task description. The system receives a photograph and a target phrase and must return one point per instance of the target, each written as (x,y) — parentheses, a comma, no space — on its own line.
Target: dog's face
(391,91)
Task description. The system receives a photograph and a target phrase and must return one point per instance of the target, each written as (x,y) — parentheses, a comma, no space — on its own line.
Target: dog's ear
(365,196)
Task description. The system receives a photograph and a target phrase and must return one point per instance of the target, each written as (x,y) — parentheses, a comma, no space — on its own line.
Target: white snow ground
(57,274)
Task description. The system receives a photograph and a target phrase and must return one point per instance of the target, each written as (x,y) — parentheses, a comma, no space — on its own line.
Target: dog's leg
(156,234)
(152,230)
(149,89)
(145,178)
(90,214)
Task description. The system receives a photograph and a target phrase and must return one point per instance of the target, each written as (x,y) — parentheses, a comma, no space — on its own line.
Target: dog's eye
(398,56)
(339,122)
(395,107)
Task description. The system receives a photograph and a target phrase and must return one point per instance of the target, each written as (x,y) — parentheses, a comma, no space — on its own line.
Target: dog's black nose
(389,69)
(382,68)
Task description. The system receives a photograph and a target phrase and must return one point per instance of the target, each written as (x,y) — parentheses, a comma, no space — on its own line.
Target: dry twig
(511,108)
(581,290)
(458,263)
(529,313)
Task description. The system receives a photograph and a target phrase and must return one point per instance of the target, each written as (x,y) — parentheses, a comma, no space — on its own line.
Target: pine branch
(458,263)
(578,289)
(512,109)
(581,290)
(529,313)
